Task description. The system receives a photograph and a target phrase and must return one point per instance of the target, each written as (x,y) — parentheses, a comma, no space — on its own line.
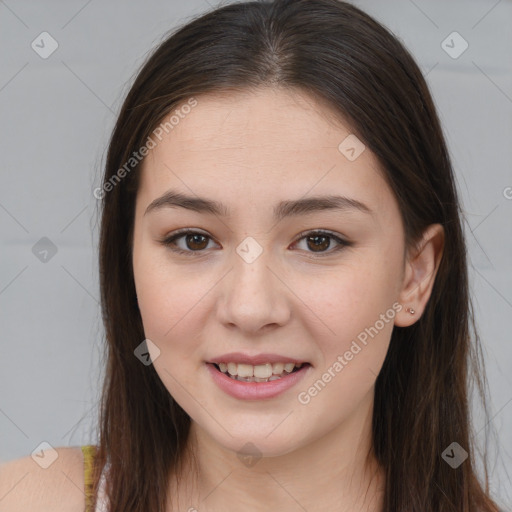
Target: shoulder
(28,485)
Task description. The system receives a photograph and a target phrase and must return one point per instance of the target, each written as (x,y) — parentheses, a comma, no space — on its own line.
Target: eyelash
(169,241)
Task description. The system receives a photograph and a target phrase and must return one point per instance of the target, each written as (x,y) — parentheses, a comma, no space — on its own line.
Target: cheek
(166,296)
(347,301)
(351,353)
(352,325)
(170,306)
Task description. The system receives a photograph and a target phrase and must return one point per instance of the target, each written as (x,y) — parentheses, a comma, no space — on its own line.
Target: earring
(410,310)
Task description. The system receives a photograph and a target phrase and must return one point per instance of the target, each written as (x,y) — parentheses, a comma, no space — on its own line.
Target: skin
(251,150)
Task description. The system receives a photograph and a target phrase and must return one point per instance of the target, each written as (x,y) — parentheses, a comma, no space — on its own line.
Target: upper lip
(241,358)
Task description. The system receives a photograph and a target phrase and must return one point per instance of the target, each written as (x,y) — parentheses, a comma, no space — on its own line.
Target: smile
(258,373)
(253,387)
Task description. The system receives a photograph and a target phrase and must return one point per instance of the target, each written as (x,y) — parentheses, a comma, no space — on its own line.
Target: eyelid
(342,242)
(179,233)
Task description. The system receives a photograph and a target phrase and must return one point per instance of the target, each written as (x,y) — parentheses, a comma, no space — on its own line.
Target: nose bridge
(253,296)
(252,278)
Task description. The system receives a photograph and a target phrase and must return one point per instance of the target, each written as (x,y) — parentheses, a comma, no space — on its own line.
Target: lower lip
(256,390)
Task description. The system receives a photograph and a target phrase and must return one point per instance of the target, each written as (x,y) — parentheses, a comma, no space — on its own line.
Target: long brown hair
(339,55)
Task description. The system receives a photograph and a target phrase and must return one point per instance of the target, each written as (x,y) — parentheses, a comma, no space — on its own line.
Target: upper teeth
(261,371)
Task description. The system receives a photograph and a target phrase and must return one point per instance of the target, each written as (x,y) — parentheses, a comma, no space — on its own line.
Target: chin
(258,446)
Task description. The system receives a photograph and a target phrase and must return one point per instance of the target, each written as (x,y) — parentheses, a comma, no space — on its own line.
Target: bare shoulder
(54,481)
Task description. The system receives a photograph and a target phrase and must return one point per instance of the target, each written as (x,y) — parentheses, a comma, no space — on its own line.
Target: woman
(283,276)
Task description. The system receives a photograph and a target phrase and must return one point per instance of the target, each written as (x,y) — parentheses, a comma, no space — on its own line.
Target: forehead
(262,119)
(260,143)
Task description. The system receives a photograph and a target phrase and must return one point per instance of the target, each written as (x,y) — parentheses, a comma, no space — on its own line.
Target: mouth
(267,372)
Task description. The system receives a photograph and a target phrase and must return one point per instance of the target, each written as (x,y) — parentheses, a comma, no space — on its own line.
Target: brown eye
(194,242)
(318,242)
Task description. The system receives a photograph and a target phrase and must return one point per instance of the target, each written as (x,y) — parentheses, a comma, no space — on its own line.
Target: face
(247,281)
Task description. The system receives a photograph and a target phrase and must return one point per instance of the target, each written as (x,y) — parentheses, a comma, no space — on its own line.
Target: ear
(421,266)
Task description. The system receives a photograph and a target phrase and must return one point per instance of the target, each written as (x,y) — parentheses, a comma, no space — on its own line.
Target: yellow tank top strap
(89,452)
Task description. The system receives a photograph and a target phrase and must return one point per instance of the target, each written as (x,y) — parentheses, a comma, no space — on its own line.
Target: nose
(254,296)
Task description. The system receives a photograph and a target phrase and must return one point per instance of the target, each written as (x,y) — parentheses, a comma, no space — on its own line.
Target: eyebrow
(295,207)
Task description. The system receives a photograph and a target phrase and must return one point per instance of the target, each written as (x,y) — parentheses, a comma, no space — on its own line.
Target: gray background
(56,117)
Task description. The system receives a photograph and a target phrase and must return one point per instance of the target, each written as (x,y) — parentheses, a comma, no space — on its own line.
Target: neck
(337,471)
